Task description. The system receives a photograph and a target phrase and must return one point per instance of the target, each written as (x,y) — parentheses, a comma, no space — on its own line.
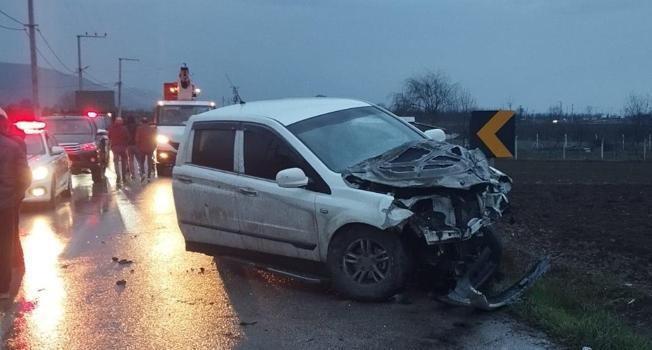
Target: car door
(205,186)
(59,164)
(267,211)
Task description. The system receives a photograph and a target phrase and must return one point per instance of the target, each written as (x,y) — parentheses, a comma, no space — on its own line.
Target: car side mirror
(56,150)
(436,135)
(102,132)
(291,178)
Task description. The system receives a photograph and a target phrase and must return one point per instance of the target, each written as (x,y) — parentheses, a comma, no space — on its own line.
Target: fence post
(644,150)
(516,147)
(565,145)
(623,142)
(537,147)
(602,149)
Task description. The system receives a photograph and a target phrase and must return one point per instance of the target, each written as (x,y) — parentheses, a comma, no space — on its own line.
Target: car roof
(285,111)
(185,103)
(50,117)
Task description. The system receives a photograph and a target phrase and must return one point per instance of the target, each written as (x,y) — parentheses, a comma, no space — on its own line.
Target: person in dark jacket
(132,150)
(15,178)
(146,144)
(119,138)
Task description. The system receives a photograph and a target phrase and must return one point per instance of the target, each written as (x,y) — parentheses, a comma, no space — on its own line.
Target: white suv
(346,189)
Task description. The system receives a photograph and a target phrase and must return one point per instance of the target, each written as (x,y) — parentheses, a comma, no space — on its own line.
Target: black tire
(375,276)
(163,170)
(68,191)
(97,173)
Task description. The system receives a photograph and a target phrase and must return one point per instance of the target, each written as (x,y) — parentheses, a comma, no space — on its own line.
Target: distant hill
(57,88)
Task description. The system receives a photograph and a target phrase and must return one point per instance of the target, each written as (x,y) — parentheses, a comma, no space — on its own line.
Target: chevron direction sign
(493,132)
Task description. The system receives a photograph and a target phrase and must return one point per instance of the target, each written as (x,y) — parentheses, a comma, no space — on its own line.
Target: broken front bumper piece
(467,294)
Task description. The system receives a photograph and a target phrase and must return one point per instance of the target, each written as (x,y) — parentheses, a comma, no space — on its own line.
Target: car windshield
(70,127)
(178,115)
(345,138)
(34,143)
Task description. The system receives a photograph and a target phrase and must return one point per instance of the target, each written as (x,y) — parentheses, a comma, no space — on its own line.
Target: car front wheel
(367,264)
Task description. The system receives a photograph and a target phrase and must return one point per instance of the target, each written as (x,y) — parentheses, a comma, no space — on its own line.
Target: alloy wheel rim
(365,261)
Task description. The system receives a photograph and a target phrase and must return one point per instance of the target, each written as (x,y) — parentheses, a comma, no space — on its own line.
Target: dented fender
(373,209)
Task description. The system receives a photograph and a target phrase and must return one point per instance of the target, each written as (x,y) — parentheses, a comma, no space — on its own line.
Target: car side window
(50,142)
(266,153)
(213,148)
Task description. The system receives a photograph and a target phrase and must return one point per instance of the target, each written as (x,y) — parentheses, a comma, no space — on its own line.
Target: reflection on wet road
(179,300)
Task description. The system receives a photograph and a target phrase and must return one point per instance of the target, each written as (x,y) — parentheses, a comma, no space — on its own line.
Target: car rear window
(70,127)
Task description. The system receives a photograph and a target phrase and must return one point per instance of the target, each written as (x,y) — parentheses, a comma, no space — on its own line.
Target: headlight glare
(40,173)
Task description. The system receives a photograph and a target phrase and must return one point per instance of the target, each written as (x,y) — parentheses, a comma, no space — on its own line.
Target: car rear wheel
(367,264)
(98,173)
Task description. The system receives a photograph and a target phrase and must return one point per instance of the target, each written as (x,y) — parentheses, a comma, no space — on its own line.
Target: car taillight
(88,147)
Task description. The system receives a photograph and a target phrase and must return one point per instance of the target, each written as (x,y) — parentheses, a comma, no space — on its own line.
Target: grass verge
(578,310)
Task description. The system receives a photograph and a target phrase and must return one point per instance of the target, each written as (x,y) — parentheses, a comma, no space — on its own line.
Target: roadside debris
(115,259)
(125,262)
(243,323)
(121,283)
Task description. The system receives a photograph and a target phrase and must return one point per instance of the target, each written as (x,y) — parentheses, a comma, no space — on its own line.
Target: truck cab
(171,117)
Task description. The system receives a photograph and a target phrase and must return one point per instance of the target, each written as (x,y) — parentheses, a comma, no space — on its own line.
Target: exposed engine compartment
(452,191)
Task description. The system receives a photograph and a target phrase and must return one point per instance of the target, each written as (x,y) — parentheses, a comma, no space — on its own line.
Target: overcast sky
(533,53)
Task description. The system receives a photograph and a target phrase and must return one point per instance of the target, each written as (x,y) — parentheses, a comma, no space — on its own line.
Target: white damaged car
(342,189)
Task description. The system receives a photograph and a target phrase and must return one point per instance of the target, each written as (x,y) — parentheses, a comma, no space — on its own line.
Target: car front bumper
(166,155)
(39,191)
(467,293)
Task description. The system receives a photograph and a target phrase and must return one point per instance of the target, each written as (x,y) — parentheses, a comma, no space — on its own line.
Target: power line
(90,77)
(11,28)
(12,18)
(54,53)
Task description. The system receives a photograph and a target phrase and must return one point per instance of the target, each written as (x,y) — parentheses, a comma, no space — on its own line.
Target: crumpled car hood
(425,163)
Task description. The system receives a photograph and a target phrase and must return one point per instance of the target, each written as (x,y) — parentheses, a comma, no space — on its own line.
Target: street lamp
(120,59)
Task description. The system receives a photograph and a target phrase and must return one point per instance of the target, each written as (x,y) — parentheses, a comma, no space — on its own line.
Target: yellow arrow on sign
(488,134)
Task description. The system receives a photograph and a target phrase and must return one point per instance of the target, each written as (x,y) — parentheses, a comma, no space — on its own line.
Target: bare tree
(432,93)
(637,105)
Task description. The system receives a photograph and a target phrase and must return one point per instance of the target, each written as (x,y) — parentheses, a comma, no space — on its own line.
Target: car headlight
(162,139)
(40,173)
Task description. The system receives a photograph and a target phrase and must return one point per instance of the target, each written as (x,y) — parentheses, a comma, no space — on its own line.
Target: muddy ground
(595,217)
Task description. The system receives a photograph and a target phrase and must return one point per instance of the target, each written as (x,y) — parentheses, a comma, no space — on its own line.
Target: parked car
(51,177)
(347,188)
(86,145)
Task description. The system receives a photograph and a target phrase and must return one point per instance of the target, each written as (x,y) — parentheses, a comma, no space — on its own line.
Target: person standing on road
(132,150)
(146,144)
(15,178)
(119,138)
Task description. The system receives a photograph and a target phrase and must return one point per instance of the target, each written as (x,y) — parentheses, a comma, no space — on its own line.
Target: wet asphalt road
(69,298)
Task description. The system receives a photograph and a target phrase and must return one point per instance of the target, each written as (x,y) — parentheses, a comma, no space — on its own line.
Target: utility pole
(120,59)
(79,64)
(32,55)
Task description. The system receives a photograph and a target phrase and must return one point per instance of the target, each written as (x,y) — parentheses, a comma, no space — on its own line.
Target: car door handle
(184,179)
(248,192)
